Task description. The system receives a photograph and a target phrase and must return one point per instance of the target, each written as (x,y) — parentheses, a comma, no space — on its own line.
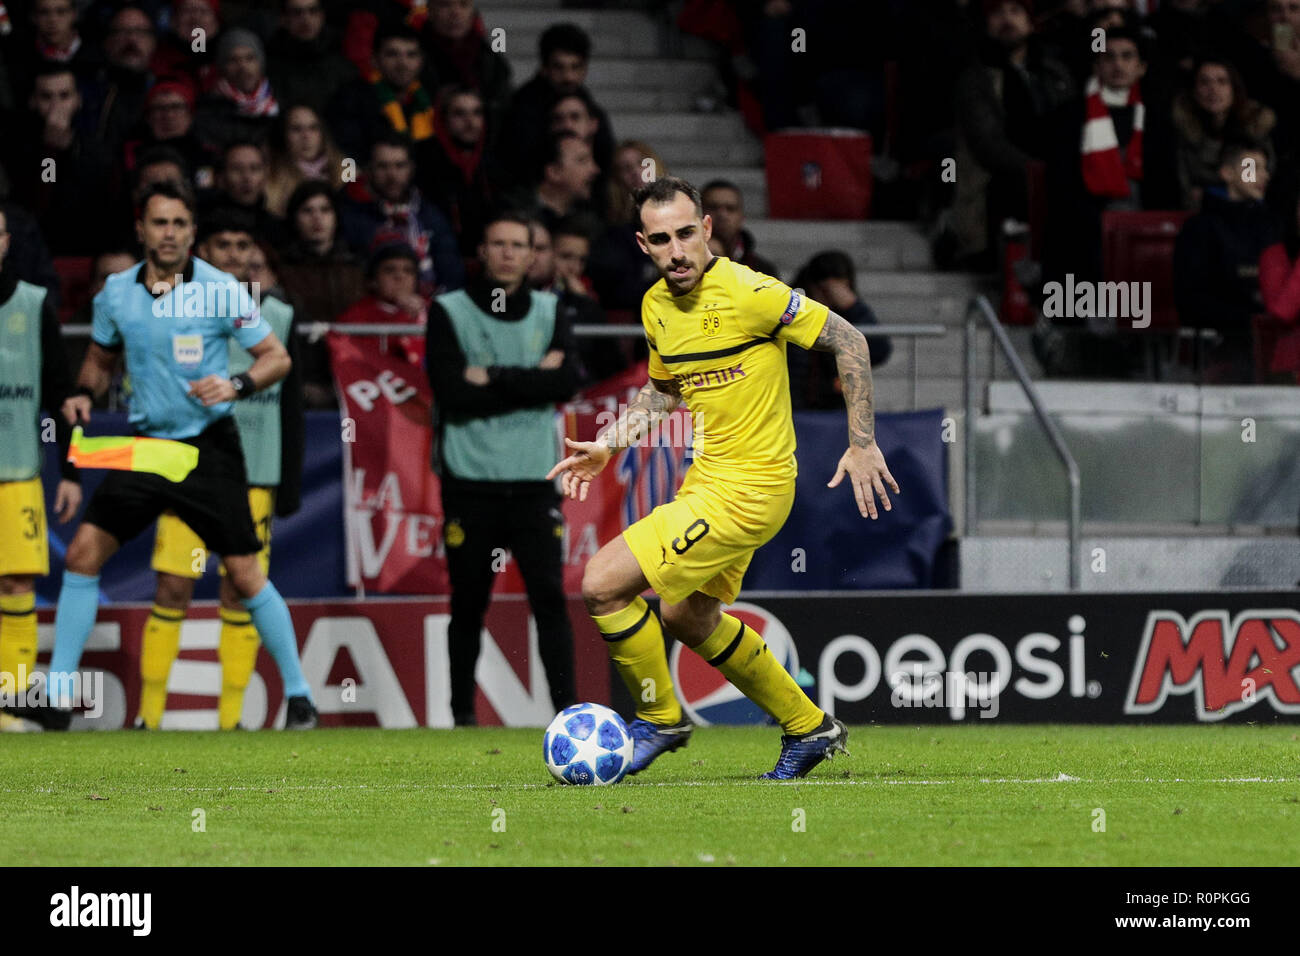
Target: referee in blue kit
(176,353)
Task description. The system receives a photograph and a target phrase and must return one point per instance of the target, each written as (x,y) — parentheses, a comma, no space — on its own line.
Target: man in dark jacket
(1001,105)
(390,100)
(396,211)
(455,168)
(565,51)
(304,63)
(497,369)
(724,203)
(1216,262)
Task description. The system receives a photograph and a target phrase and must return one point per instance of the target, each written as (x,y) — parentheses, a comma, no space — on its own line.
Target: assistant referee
(177,355)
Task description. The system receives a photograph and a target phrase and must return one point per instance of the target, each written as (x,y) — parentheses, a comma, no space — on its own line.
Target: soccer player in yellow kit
(717,333)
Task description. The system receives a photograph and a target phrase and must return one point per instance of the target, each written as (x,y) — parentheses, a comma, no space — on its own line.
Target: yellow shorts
(24,548)
(704,539)
(178,550)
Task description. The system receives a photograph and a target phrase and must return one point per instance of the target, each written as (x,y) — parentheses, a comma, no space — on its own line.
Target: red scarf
(466,162)
(1105,172)
(260,102)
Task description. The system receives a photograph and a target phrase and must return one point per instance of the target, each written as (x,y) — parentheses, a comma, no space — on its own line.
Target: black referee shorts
(212,500)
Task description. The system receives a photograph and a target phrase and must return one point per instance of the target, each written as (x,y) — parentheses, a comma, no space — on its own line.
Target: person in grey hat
(241,105)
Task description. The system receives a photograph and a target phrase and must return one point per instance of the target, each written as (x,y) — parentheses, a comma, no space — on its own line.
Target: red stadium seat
(1139,247)
(75,273)
(818,174)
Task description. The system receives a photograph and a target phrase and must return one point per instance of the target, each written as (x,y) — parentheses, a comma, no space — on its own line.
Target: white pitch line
(675,783)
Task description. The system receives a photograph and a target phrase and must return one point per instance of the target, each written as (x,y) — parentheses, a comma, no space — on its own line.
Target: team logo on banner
(707,696)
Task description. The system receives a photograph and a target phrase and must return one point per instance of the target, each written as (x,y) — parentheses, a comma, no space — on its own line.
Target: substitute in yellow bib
(718,334)
(33,375)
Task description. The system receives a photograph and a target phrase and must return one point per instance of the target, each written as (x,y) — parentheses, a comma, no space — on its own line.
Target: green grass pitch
(934,795)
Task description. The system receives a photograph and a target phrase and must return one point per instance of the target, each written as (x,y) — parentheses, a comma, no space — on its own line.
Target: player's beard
(686,284)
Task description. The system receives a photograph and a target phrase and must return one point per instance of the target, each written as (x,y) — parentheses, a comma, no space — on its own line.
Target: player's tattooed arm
(853,359)
(657,398)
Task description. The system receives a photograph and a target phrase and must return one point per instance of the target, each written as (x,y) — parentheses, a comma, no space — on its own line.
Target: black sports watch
(243,385)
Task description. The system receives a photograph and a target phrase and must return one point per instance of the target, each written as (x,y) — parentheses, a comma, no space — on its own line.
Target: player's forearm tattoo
(655,400)
(854,363)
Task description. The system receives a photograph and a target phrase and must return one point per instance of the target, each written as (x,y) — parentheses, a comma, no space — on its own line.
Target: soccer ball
(587,745)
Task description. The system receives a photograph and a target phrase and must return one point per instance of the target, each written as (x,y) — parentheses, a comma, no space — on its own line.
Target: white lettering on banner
(392,387)
(513,702)
(911,680)
(421,535)
(377,689)
(586,546)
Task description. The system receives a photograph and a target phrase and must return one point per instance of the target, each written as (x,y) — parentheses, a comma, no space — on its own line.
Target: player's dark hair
(395,31)
(831,264)
(564,38)
(168,190)
(554,151)
(663,190)
(518,217)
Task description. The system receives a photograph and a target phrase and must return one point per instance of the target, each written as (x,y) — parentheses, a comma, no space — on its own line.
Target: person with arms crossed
(717,333)
(179,366)
(499,357)
(271,436)
(33,374)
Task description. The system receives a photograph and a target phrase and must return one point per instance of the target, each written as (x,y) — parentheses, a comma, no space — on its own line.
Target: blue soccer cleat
(650,740)
(800,754)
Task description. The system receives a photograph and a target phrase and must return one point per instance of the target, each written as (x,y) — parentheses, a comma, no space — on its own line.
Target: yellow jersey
(724,343)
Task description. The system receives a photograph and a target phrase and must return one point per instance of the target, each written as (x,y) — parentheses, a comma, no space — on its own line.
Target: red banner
(381,662)
(392,503)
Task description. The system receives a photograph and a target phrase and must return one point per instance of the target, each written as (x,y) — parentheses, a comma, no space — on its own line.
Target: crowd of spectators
(993,120)
(365,144)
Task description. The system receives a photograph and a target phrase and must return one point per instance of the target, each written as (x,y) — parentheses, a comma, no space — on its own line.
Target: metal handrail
(631,330)
(979,306)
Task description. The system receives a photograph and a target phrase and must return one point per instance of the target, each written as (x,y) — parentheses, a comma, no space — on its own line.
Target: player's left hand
(213,390)
(67,499)
(866,467)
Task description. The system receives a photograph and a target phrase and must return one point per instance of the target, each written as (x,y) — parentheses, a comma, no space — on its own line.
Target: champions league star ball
(588,745)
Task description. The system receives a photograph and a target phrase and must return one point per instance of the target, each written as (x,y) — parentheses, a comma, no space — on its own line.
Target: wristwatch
(243,385)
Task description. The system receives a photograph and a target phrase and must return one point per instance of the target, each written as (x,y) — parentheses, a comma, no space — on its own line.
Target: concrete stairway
(649,97)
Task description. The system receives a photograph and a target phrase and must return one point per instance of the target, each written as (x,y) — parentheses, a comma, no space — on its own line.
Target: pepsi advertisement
(1021,658)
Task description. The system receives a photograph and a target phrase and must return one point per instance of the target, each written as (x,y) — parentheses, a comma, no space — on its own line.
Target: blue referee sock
(73,621)
(275,627)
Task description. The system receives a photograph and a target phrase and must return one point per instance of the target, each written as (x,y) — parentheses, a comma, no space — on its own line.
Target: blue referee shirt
(173,340)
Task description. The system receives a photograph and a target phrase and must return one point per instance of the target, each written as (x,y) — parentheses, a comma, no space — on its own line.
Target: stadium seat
(75,273)
(1139,247)
(818,174)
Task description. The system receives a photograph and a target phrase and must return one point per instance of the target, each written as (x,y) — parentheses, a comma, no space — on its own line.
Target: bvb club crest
(710,324)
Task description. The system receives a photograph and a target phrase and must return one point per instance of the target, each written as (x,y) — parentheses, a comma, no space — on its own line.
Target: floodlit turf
(946,795)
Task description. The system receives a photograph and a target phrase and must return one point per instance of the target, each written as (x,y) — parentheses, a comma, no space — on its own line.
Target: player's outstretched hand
(869,473)
(212,390)
(587,461)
